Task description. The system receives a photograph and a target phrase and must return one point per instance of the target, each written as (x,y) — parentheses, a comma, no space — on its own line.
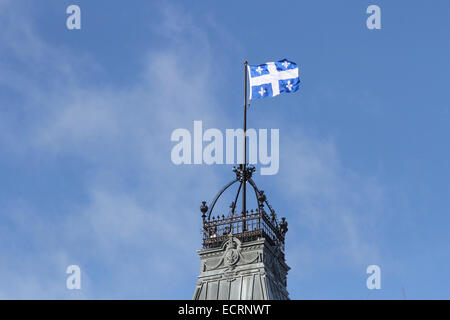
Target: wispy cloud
(120,133)
(334,209)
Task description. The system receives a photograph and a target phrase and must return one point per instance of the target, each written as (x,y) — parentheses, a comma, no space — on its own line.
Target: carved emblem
(231,257)
(233,248)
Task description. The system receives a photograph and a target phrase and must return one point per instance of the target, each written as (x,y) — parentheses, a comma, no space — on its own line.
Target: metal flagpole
(244,166)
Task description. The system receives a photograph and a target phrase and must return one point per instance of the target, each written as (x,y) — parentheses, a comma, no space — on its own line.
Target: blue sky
(86,118)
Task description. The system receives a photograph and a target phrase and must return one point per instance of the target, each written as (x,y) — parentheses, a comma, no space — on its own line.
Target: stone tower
(243,252)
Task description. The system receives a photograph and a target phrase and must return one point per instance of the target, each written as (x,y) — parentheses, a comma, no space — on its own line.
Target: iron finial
(283,226)
(203,207)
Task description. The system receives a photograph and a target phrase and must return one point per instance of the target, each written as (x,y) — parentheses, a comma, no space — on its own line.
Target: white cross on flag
(272,78)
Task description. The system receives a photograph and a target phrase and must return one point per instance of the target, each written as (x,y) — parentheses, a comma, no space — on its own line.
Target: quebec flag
(272,78)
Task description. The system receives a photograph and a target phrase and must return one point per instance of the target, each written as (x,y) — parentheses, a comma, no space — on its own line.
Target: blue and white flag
(272,78)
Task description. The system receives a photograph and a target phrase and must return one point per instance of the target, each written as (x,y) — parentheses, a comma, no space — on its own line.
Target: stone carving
(231,257)
(232,251)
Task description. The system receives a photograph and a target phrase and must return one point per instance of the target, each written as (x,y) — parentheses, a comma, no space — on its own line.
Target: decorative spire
(273,215)
(232,206)
(283,226)
(261,199)
(204,209)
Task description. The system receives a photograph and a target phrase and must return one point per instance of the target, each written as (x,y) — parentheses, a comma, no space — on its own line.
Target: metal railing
(245,227)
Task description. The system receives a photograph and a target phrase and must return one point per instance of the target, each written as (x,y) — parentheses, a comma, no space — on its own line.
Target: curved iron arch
(253,184)
(255,189)
(213,203)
